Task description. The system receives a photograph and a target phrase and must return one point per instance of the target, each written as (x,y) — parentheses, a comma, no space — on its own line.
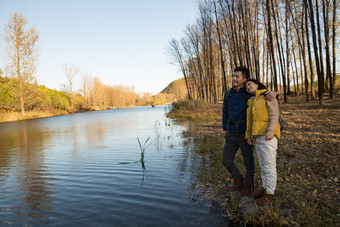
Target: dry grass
(16,116)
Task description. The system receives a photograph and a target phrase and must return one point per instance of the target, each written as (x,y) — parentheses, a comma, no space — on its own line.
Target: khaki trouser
(266,154)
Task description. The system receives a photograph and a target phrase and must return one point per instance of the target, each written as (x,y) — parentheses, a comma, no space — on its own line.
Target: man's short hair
(244,70)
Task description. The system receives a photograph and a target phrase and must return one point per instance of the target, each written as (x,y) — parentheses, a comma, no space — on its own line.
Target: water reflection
(86,169)
(26,183)
(23,148)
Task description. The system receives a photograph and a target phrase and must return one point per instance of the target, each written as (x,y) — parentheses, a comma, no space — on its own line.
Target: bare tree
(305,4)
(303,47)
(316,52)
(70,71)
(86,83)
(224,80)
(334,26)
(322,71)
(281,57)
(325,13)
(279,41)
(271,43)
(22,53)
(175,52)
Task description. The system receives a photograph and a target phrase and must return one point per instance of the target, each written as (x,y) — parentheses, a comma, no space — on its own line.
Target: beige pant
(266,153)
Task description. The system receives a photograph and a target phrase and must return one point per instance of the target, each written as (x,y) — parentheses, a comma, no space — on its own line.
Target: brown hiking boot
(237,185)
(265,199)
(258,193)
(246,190)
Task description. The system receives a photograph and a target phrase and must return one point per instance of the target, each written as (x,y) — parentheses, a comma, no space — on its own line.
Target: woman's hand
(270,96)
(268,137)
(250,142)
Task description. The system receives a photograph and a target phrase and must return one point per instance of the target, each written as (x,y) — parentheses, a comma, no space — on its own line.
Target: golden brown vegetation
(288,43)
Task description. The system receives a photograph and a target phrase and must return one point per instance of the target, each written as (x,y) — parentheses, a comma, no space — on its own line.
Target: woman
(263,131)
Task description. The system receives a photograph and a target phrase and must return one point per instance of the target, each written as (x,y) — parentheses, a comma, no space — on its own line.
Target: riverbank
(17,116)
(307,163)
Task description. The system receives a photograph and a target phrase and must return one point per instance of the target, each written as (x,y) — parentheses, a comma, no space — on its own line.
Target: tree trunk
(279,51)
(296,77)
(334,41)
(271,45)
(316,54)
(287,46)
(224,81)
(304,57)
(20,80)
(322,71)
(295,89)
(309,52)
(329,80)
(265,52)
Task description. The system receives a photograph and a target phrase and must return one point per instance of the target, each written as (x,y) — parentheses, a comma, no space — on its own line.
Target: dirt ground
(308,159)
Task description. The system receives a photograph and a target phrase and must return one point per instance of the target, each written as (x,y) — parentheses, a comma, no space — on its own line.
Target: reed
(142,151)
(157,128)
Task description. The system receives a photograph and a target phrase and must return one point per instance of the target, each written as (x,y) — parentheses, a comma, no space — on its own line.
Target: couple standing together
(250,117)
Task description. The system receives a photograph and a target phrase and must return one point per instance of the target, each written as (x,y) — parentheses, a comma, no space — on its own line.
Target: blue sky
(122,42)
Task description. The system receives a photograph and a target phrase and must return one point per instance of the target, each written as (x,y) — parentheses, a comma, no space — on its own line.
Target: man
(234,128)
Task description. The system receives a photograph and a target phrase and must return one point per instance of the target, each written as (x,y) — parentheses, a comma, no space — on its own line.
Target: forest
(290,46)
(94,95)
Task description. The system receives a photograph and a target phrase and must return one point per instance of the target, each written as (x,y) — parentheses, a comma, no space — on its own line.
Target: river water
(86,170)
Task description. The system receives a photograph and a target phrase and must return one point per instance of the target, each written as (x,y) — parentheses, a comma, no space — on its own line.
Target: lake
(85,169)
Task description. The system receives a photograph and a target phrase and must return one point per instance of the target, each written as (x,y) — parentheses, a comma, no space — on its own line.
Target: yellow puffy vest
(258,117)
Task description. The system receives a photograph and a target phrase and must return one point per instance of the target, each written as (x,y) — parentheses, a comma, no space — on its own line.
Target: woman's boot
(265,199)
(258,193)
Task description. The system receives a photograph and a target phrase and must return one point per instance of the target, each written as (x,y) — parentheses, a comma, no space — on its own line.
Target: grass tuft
(142,151)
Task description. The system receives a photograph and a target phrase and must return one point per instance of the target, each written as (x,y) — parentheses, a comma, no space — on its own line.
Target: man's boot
(246,190)
(265,199)
(237,185)
(258,193)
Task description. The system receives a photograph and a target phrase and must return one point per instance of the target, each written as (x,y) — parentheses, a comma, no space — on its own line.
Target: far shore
(17,116)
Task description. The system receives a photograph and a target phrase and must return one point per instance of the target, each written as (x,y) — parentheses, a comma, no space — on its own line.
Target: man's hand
(225,132)
(250,142)
(270,96)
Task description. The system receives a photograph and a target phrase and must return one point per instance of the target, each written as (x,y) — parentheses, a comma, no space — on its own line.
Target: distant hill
(177,89)
(170,89)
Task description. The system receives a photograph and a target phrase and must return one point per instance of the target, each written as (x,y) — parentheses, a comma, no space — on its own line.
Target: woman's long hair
(261,85)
